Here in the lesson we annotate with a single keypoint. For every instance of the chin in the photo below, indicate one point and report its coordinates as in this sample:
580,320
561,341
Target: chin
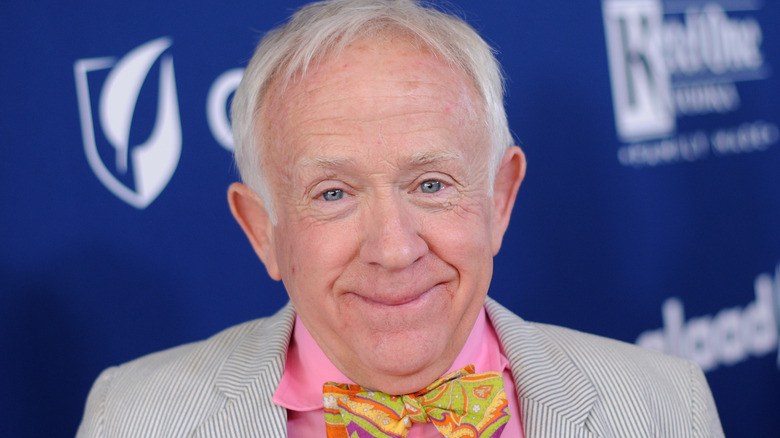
403,384
408,366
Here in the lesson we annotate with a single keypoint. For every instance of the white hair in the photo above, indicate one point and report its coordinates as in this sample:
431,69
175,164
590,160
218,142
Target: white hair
324,28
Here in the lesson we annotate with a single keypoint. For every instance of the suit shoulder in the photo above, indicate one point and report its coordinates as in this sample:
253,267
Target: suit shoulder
571,339
195,355
580,347
611,364
626,373
619,356
168,392
626,388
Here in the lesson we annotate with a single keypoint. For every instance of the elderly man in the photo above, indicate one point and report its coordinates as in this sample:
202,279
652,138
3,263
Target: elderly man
380,177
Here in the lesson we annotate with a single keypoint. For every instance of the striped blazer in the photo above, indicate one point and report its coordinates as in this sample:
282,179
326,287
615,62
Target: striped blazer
569,384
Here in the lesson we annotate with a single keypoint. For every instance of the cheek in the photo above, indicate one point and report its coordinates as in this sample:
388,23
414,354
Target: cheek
462,235
312,256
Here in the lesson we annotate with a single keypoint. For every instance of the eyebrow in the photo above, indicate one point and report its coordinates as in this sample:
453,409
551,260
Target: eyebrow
425,158
326,162
416,159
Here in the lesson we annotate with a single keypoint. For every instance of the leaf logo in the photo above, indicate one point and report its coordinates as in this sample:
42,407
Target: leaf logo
153,161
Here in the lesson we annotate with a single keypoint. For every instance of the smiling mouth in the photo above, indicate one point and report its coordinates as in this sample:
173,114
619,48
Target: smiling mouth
395,301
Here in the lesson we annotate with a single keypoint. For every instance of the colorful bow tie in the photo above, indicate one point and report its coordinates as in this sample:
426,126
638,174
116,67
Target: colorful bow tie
460,404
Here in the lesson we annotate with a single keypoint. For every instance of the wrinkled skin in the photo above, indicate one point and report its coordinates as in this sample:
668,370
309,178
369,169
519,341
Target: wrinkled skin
386,226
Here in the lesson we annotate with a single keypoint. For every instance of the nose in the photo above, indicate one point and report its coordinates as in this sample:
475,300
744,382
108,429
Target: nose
391,234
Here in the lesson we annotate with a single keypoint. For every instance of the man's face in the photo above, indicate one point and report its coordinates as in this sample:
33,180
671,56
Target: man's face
385,233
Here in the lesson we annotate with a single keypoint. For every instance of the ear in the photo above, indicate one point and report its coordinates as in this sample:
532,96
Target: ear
510,174
249,211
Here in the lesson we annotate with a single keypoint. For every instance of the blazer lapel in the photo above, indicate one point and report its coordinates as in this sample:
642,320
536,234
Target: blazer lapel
556,398
248,379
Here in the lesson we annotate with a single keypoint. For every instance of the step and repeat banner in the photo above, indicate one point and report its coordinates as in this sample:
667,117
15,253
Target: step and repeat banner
650,212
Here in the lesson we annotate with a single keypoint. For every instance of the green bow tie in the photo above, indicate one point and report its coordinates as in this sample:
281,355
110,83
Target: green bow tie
461,404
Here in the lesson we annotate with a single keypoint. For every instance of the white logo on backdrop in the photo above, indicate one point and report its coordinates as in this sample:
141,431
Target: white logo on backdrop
670,60
152,162
216,106
732,336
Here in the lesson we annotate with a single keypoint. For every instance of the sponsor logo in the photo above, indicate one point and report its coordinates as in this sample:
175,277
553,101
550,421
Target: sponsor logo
676,59
731,336
217,106
135,171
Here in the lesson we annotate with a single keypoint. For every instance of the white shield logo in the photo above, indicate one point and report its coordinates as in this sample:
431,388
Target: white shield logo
153,161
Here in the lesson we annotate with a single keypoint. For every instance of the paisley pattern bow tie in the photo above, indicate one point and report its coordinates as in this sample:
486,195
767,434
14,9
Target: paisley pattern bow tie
460,404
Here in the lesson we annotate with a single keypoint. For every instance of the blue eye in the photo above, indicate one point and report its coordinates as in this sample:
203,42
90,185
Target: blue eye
333,195
430,186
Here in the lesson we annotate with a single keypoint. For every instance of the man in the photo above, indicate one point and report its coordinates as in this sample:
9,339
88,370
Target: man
380,177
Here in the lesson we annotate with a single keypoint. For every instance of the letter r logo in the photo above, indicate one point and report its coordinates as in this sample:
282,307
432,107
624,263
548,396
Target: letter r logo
641,86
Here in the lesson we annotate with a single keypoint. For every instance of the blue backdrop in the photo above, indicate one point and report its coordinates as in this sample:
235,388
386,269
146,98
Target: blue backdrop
649,213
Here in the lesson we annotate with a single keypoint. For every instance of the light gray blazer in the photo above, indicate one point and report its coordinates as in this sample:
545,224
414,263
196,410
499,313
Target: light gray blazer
569,384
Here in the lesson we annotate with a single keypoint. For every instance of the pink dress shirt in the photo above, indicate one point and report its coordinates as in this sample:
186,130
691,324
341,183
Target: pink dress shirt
300,390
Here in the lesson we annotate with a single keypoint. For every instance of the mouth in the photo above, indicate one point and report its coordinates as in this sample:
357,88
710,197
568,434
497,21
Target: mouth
396,300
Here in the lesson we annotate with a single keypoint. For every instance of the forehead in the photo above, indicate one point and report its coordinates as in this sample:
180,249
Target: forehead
391,87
